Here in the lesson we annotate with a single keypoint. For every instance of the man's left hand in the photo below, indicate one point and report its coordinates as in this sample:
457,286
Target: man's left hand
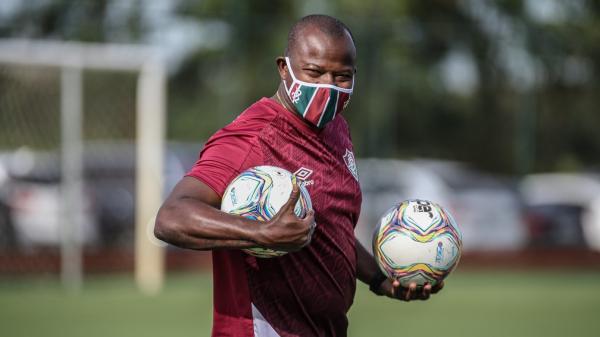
393,289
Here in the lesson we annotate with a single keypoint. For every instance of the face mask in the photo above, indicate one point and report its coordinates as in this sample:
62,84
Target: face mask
317,103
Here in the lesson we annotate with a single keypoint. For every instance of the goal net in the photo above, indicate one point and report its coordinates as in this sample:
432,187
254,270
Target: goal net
82,131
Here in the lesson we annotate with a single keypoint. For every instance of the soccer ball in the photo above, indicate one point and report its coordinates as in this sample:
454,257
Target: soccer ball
258,193
417,241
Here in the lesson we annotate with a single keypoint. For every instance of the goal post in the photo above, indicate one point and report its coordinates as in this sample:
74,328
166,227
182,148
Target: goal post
71,175
150,133
71,58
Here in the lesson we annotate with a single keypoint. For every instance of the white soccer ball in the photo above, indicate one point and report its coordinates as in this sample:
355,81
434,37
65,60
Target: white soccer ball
417,241
259,193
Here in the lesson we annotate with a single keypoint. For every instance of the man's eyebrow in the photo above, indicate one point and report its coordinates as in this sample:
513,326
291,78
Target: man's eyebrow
312,64
348,69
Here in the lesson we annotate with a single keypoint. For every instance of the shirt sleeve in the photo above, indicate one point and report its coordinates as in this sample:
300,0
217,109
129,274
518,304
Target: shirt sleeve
224,156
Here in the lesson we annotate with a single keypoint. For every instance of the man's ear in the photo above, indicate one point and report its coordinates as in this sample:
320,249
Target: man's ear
282,68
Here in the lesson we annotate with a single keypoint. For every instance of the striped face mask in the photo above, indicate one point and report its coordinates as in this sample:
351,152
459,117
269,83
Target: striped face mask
317,103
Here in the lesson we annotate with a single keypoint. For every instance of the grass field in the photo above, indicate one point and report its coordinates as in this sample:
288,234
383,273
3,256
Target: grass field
473,304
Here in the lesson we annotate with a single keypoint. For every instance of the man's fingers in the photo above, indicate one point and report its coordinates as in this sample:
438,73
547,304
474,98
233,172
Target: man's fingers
291,203
396,289
403,293
413,291
437,287
426,292
310,220
412,288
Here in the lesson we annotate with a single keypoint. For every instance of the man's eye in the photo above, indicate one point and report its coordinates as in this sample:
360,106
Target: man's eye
343,77
313,72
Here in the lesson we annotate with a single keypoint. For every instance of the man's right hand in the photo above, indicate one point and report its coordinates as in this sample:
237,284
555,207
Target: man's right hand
286,231
190,218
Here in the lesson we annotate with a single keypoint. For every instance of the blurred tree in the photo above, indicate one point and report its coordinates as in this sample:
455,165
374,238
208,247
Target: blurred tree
508,85
226,81
60,19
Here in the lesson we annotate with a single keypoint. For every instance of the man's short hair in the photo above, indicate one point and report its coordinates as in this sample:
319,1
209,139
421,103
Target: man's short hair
325,23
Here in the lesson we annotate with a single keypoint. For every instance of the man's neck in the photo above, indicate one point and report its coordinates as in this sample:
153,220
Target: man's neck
280,98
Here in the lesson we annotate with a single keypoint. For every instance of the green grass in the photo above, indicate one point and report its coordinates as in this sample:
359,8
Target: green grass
489,304
473,304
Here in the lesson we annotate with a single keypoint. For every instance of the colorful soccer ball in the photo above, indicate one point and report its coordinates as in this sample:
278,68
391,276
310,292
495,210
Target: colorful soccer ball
417,241
258,193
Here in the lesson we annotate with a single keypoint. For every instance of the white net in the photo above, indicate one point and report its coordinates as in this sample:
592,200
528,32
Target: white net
44,101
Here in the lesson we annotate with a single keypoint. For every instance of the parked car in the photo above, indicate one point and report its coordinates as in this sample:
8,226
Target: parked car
562,209
487,208
30,197
7,234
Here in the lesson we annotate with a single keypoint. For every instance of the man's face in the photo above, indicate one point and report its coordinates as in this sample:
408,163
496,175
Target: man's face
318,58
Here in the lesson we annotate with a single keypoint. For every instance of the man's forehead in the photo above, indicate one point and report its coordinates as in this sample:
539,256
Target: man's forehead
315,44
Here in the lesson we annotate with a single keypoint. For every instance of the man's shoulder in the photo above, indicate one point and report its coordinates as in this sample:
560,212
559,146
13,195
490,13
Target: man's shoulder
342,125
338,130
248,127
254,119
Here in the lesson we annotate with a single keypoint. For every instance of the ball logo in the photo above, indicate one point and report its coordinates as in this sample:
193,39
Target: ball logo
423,207
234,200
439,253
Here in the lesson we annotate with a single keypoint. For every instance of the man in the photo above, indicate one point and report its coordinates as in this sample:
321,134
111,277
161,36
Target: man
308,291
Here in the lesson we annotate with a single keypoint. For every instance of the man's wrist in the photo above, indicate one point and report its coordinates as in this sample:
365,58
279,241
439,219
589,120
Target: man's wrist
376,282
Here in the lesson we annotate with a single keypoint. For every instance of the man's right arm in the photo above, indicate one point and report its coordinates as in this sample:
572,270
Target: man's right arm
190,218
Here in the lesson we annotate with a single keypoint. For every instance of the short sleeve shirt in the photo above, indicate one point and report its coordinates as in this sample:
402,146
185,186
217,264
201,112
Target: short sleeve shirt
303,293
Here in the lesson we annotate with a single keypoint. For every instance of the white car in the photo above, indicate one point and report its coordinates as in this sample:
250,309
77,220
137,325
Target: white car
30,194
37,215
487,210
563,208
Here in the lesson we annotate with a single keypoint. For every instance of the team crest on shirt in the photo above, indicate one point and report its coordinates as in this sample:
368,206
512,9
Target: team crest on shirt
351,163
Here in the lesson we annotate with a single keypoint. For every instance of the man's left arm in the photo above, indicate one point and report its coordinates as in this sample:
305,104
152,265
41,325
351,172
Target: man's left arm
368,272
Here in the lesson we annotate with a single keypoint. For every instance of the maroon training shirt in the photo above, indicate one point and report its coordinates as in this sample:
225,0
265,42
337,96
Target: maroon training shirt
305,293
